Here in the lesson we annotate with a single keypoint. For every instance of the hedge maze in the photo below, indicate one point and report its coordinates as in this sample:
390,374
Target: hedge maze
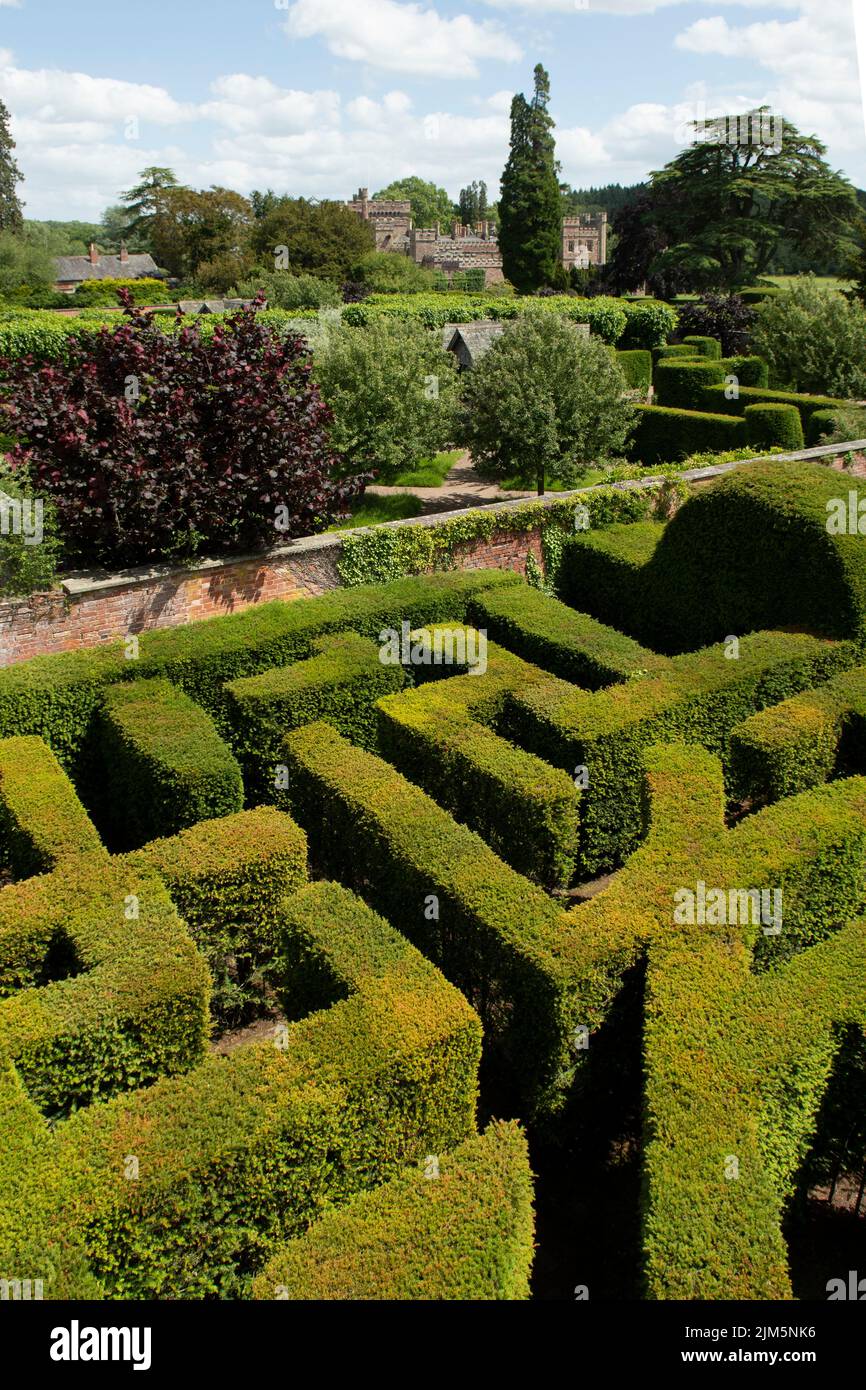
383,855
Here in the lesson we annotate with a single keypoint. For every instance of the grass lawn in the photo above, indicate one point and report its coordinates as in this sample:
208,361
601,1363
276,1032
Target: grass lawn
372,509
830,280
429,473
519,484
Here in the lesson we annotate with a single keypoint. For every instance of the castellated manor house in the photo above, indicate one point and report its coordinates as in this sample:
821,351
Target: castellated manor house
584,238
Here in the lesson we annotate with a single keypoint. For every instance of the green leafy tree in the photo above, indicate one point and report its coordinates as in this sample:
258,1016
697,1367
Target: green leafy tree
544,403
61,238
286,291
385,272
25,269
147,199
814,339
308,238
210,227
114,229
392,390
263,203
11,217
747,183
429,203
530,218
473,203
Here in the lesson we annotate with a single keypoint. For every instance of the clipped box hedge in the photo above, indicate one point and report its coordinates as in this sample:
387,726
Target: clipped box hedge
136,1009
701,696
704,345
228,877
714,398
774,426
802,741
566,643
525,810
340,682
663,434
749,371
465,1233
164,766
681,384
57,696
41,818
602,571
244,1151
637,368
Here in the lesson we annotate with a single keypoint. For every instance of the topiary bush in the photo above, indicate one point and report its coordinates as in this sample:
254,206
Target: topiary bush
392,390
679,383
154,445
774,425
704,346
637,368
814,339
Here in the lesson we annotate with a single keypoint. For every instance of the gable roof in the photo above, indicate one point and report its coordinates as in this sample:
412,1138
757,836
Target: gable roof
475,337
107,267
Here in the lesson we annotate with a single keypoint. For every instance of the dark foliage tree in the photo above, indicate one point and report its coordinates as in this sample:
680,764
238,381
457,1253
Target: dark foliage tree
11,217
722,316
146,199
530,220
154,443
325,239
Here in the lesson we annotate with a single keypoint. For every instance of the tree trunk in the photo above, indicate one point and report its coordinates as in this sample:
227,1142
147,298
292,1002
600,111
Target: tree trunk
540,482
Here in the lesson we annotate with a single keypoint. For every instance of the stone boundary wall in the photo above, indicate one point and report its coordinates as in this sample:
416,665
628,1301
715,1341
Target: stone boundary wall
90,608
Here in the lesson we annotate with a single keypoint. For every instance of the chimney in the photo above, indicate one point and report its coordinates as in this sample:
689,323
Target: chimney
124,254
94,253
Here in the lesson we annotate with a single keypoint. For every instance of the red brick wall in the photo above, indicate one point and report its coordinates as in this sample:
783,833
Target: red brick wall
65,621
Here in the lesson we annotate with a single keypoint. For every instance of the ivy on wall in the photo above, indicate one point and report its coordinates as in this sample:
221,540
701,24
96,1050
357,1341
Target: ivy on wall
382,553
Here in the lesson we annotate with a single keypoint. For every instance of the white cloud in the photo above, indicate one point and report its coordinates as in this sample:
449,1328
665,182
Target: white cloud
406,38
625,7
245,103
56,96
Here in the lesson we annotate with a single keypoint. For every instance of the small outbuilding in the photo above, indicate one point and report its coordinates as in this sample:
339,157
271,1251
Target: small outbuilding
470,341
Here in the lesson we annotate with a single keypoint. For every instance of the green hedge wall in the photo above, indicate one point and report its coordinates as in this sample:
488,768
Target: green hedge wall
241,1153
57,696
603,570
566,643
663,435
701,696
465,1233
681,385
637,368
491,931
41,818
164,765
525,810
749,371
341,683
747,552
769,426
714,399
707,347
137,1010
801,742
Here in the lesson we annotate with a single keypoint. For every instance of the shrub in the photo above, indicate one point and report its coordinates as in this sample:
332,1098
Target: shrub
672,350
835,426
720,398
340,682
392,391
544,402
727,318
148,447
243,1152
814,339
663,435
25,270
285,291
41,817
749,371
637,368
705,346
29,544
680,383
769,425
648,324
466,1235
385,272
164,764
145,290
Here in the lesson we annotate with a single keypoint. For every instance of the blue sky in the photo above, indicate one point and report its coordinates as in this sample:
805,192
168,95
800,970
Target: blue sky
318,96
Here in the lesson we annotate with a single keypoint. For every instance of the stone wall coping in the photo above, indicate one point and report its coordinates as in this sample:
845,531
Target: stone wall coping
85,582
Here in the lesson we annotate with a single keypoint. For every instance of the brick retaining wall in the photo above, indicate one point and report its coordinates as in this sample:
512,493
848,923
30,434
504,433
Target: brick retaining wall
88,609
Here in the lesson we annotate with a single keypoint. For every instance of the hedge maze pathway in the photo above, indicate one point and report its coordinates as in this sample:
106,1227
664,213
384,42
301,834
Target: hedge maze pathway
386,843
